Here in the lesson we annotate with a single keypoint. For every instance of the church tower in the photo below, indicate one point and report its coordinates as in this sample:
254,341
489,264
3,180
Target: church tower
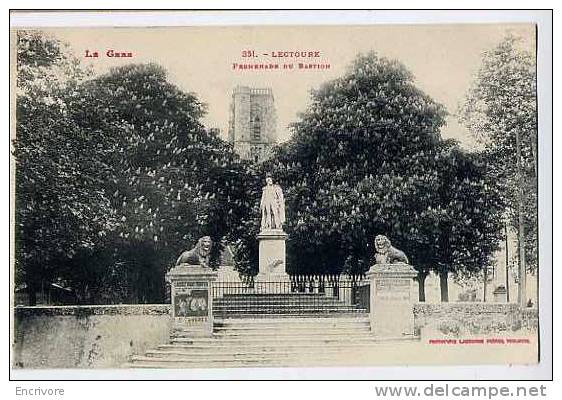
252,124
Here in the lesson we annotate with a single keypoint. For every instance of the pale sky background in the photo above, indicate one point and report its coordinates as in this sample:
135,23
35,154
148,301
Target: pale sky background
443,59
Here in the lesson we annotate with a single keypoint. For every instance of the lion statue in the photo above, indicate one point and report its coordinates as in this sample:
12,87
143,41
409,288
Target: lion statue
386,253
199,255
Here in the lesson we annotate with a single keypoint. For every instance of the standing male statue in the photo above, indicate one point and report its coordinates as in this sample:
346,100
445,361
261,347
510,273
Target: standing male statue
272,206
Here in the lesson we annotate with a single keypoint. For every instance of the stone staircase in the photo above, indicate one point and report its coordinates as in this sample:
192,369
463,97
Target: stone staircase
251,305
267,342
271,330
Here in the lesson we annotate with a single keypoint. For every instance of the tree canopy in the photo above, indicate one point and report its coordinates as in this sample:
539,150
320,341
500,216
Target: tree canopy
500,105
172,180
116,176
61,208
367,158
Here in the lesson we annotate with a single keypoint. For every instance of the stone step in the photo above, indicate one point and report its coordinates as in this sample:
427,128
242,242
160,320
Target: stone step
271,341
274,295
291,329
304,307
155,363
223,312
292,299
248,357
282,296
289,316
239,313
287,337
219,333
266,349
228,344
288,302
254,352
237,345
186,365
322,302
316,323
276,337
308,335
288,309
342,318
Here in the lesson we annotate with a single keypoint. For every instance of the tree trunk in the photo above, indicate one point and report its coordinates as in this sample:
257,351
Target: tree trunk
522,289
535,164
506,264
534,151
421,285
444,285
485,283
31,293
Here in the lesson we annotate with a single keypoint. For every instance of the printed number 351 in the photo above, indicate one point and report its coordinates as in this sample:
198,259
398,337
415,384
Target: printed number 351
248,53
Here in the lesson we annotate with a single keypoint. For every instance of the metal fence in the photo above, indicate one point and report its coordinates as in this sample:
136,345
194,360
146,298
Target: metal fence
297,295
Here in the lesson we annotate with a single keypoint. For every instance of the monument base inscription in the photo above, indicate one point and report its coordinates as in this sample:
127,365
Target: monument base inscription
191,299
272,256
391,300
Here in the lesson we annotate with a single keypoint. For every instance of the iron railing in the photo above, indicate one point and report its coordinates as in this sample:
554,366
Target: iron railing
296,295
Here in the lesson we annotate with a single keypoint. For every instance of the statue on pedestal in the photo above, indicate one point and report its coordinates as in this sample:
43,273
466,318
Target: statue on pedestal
272,206
391,291
272,249
386,253
190,290
199,255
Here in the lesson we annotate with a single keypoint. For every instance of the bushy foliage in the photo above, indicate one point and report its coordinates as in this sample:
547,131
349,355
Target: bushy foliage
366,158
500,103
61,207
173,181
116,176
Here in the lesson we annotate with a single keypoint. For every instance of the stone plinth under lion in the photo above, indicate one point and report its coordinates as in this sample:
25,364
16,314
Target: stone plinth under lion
391,303
190,281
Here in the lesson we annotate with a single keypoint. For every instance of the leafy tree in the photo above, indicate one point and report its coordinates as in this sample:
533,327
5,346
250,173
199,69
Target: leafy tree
172,181
499,109
45,64
60,207
366,158
461,228
114,176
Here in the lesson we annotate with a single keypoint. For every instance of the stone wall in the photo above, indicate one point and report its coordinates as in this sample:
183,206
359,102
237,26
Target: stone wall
465,319
86,336
530,319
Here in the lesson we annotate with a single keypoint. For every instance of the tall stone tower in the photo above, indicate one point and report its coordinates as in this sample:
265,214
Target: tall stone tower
253,122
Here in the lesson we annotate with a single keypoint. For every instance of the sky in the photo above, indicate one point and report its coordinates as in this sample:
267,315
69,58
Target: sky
443,58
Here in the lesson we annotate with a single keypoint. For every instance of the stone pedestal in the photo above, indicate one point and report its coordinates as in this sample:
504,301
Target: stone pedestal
272,256
500,294
227,273
191,299
230,282
391,304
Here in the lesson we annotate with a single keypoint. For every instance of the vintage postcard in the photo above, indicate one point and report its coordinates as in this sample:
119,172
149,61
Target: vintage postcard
275,196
